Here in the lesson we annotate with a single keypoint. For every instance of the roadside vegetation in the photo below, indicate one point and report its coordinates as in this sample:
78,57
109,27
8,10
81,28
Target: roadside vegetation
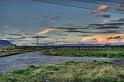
98,71
7,51
110,52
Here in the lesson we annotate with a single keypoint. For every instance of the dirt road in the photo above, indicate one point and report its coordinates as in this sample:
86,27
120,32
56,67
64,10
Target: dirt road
24,60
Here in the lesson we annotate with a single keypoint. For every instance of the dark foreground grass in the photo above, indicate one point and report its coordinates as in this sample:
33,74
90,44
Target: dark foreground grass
116,52
68,72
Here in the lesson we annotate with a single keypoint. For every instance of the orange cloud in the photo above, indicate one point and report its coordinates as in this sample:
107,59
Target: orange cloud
100,8
105,39
46,30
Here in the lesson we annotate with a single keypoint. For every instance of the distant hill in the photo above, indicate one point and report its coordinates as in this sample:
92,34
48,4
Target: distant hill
5,43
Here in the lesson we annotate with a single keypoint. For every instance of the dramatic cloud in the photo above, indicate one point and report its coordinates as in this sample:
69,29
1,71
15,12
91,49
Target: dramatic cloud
17,38
120,6
75,31
46,30
111,24
115,37
41,37
15,34
104,39
112,31
95,32
107,27
100,9
105,15
69,28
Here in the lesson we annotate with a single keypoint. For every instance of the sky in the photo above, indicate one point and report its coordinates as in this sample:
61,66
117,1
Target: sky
22,20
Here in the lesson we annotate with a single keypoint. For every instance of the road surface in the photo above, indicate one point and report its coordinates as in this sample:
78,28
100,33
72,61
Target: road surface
24,60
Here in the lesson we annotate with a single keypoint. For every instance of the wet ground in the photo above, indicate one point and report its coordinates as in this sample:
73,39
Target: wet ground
24,60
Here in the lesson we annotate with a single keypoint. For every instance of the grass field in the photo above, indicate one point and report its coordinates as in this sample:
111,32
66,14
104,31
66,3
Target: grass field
116,52
69,72
7,51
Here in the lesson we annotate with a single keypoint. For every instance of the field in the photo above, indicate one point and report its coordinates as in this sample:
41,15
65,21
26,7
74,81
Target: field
7,51
69,72
96,71
110,52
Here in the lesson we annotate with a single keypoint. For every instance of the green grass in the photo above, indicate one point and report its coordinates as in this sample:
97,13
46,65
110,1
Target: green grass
68,72
87,52
7,51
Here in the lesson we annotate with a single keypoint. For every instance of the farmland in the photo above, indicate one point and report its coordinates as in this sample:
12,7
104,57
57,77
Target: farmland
95,71
109,51
100,71
7,51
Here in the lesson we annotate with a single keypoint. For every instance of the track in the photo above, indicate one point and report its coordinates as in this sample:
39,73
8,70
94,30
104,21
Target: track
21,61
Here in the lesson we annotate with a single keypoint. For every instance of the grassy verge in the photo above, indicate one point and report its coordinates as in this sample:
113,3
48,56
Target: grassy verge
86,52
68,72
7,51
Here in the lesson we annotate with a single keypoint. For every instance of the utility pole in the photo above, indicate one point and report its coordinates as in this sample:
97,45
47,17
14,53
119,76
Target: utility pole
37,42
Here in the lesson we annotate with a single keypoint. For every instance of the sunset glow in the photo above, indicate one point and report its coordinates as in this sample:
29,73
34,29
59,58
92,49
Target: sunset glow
101,8
104,39
85,21
46,30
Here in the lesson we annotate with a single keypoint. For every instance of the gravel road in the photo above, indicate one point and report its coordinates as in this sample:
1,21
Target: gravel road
24,60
